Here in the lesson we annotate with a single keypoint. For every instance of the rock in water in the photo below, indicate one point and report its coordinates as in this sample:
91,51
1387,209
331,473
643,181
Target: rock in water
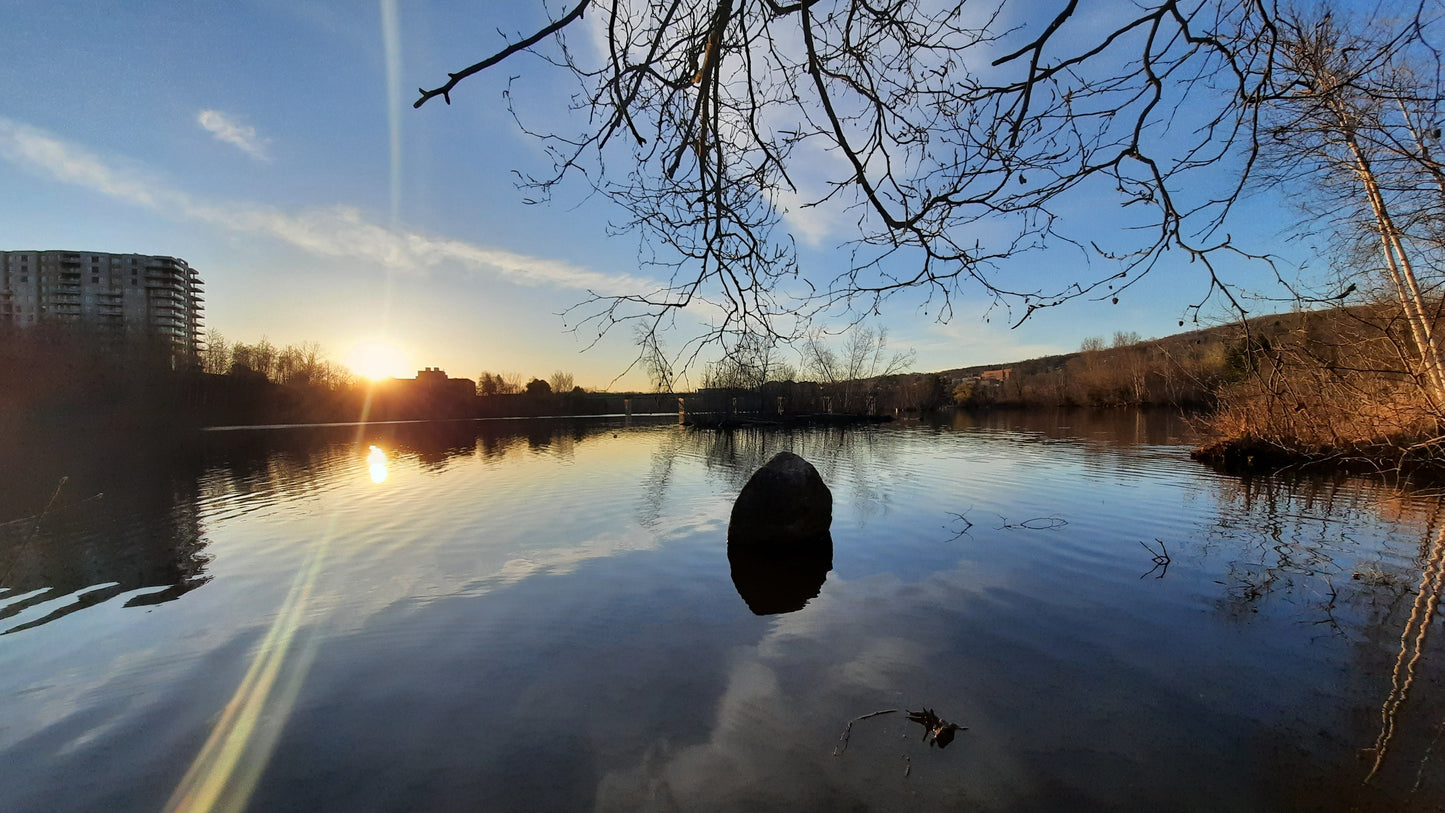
785,505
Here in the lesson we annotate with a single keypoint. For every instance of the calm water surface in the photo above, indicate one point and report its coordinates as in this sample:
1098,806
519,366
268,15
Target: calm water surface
543,616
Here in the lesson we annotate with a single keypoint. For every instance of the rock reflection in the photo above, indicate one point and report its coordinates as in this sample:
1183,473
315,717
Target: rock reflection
771,583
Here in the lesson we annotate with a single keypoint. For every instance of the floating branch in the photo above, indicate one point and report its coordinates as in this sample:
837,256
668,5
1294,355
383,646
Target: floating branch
848,729
936,730
1037,524
1161,559
46,510
961,518
34,530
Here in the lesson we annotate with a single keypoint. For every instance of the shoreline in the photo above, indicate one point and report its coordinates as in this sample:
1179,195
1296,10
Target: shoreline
1242,455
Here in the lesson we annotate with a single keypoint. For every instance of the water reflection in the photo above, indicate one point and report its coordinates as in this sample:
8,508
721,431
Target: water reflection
121,518
1294,547
1412,647
780,582
1110,427
376,461
126,518
510,580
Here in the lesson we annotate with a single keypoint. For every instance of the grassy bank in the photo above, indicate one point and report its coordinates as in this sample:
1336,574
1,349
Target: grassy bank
1338,389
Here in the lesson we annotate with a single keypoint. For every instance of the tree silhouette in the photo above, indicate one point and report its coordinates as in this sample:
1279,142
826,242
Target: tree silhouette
952,140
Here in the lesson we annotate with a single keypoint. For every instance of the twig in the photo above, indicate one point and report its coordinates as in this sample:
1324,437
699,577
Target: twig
34,530
936,730
1161,559
1037,524
848,729
967,524
445,91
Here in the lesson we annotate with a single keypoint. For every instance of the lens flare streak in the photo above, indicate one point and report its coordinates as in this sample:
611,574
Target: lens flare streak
226,769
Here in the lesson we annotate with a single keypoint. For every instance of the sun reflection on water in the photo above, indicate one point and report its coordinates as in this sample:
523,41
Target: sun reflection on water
376,460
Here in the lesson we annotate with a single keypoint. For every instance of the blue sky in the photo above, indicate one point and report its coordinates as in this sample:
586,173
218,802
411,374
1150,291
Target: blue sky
272,144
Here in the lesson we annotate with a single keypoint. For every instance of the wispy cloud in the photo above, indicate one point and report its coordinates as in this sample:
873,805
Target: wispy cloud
332,232
242,136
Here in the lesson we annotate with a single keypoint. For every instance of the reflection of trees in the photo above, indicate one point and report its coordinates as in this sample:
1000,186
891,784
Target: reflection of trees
659,478
1412,646
1292,538
1284,534
126,519
295,458
849,459
128,516
1147,427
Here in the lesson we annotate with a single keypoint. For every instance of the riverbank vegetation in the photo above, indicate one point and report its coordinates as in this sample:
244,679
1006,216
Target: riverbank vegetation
1354,133
1344,387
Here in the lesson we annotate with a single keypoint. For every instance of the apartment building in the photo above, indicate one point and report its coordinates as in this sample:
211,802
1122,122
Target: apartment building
120,296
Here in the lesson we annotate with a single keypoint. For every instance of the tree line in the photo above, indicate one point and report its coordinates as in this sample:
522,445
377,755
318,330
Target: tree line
960,138
300,364
559,383
1183,371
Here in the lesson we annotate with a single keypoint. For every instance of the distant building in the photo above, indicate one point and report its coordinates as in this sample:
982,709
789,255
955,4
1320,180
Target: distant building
434,379
997,375
125,295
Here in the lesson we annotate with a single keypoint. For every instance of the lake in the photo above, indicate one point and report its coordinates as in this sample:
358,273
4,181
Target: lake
542,615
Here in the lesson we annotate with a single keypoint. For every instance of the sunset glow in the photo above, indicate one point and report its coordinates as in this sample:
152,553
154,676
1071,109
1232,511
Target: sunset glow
378,359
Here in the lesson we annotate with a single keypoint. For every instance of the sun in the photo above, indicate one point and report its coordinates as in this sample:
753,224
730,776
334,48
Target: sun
377,359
